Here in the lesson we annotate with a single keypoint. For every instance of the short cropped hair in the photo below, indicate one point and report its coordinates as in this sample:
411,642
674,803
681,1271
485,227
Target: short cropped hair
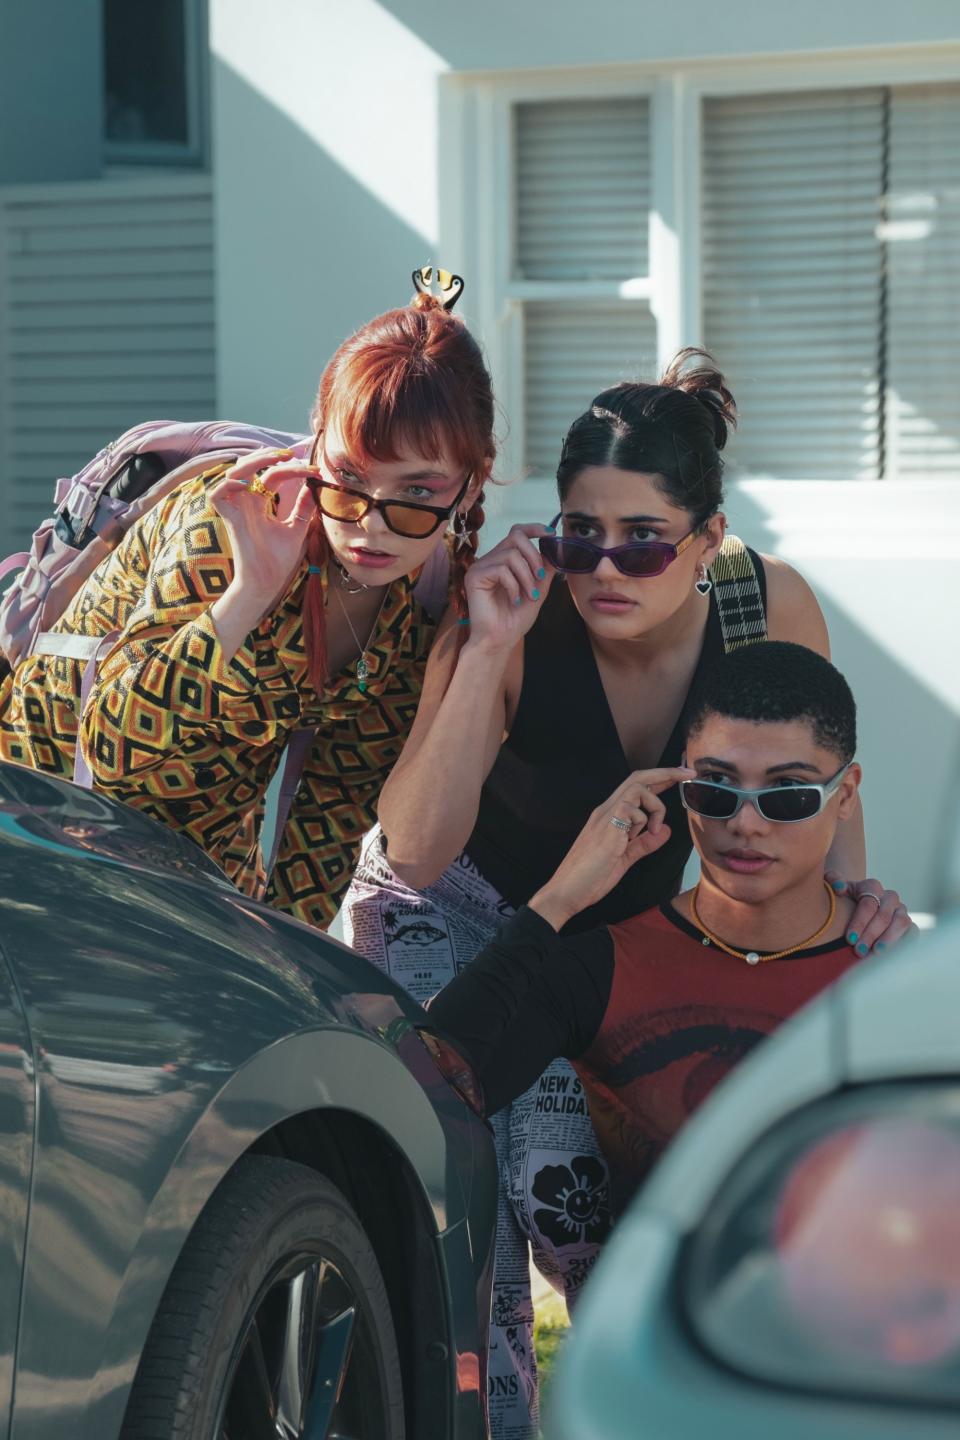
774,681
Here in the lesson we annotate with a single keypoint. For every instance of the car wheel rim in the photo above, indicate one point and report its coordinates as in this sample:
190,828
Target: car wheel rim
305,1366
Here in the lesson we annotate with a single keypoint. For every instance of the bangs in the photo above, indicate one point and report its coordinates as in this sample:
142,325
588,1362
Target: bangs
379,415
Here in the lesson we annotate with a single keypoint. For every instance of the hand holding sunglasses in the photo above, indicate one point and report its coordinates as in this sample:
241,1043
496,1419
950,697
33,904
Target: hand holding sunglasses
506,587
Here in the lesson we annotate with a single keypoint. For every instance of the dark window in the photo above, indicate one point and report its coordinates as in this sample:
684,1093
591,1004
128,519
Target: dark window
153,53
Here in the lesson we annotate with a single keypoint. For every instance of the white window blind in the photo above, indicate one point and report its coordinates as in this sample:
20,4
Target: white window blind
581,258
922,236
830,261
583,189
792,277
106,319
572,353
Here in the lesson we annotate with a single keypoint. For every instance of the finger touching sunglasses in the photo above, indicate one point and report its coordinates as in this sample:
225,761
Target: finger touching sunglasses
784,804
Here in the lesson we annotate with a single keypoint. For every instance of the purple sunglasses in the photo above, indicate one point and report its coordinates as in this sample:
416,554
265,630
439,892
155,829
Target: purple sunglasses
641,559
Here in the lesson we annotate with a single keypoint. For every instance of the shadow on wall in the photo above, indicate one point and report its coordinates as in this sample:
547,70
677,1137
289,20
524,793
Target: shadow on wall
909,737
304,245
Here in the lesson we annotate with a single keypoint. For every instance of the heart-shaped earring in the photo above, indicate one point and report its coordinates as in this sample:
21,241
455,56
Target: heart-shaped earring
703,584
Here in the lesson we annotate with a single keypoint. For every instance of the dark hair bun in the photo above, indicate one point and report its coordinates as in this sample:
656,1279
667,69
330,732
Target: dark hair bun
695,373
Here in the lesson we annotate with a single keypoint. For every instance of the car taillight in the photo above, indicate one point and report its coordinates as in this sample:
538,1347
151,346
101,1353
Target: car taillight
831,1257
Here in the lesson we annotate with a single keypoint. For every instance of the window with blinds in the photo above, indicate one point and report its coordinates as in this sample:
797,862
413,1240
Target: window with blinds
831,278
581,258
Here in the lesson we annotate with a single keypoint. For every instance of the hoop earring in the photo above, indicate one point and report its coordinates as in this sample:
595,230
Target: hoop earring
703,584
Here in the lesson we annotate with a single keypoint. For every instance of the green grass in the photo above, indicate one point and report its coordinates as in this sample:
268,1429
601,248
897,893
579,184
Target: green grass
549,1331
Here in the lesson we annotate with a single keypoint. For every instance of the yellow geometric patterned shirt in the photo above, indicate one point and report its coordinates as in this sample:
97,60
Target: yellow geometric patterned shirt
175,729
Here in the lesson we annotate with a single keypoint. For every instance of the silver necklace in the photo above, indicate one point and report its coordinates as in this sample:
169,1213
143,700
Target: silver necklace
346,578
363,670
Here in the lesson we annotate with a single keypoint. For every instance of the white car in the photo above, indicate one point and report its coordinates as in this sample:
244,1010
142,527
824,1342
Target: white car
792,1268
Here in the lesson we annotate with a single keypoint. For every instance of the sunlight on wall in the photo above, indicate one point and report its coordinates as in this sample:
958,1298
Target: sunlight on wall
356,81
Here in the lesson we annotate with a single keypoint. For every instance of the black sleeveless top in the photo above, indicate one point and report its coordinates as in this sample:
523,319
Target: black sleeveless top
562,758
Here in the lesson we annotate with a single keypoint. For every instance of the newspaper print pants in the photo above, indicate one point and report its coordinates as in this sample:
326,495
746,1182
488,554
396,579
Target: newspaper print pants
554,1195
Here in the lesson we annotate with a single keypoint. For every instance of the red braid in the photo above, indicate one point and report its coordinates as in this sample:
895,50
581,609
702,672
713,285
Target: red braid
314,618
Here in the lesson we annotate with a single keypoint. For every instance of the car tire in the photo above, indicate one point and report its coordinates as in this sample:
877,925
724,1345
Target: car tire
254,1327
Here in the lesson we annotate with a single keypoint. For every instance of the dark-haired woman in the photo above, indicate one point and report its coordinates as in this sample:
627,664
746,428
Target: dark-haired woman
560,691
277,596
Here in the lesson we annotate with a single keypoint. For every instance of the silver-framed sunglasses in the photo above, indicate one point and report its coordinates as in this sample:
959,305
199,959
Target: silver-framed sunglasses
784,804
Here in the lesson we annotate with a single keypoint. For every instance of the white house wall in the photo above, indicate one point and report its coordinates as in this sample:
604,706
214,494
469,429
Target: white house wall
353,142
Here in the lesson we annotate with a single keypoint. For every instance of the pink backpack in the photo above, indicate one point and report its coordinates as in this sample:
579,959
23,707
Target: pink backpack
95,508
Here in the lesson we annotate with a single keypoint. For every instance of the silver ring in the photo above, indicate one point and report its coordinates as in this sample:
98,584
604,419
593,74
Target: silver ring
869,895
620,824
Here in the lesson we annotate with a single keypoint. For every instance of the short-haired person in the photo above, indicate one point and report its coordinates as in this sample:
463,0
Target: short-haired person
653,1011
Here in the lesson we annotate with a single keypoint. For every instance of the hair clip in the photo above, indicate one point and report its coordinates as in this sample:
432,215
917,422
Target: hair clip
451,286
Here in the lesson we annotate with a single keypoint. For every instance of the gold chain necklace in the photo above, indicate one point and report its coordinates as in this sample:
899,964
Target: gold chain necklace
363,669
751,956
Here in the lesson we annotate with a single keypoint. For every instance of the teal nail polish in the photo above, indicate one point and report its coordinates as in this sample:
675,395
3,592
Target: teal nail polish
541,573
880,945
852,937
861,949
519,600
839,886
464,621
535,594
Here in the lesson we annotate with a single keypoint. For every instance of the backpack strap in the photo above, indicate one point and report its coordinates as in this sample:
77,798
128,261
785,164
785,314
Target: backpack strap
294,758
743,619
92,649
14,562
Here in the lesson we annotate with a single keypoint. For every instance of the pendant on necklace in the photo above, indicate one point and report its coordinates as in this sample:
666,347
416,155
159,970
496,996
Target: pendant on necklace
362,673
752,958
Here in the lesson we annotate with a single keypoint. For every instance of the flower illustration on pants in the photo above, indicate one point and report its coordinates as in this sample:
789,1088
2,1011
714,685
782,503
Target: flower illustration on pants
576,1197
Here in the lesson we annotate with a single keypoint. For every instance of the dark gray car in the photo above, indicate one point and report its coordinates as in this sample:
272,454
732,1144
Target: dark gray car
237,1198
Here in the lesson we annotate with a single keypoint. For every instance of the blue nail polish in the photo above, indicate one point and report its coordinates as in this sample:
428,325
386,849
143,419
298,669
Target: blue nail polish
541,573
880,945
535,594
519,600
852,937
839,886
465,620
861,949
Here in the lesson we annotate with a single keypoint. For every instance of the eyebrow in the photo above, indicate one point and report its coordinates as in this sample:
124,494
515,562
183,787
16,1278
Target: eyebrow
719,764
624,519
343,462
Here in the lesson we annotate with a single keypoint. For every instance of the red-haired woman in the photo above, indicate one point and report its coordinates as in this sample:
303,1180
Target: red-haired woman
276,595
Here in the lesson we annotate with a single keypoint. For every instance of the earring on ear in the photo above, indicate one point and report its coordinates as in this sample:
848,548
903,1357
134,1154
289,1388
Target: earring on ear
460,530
703,584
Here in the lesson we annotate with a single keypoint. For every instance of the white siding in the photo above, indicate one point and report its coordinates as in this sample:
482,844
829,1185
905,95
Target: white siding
106,319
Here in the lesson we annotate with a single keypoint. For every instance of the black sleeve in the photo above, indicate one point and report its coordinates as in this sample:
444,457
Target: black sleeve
529,997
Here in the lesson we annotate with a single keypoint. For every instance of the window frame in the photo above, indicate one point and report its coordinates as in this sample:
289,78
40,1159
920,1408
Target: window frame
476,222
123,153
